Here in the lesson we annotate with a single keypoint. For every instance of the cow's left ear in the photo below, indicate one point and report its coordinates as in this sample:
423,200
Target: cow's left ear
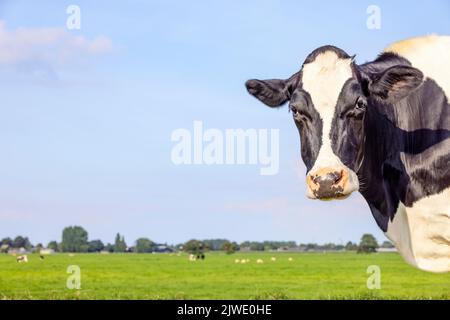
395,83
274,92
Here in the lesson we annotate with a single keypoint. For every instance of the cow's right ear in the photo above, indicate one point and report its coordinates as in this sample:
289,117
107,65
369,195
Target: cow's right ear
396,83
274,92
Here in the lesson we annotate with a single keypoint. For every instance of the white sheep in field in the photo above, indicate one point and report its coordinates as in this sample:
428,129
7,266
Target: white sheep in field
243,261
259,261
192,257
273,259
237,261
290,259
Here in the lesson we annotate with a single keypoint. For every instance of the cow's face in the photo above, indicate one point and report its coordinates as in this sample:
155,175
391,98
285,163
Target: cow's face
328,100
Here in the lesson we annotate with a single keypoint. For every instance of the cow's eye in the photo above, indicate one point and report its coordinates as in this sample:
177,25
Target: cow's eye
358,111
297,115
294,111
300,116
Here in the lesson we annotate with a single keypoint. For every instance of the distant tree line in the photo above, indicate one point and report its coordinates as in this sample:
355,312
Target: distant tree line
75,239
368,244
17,242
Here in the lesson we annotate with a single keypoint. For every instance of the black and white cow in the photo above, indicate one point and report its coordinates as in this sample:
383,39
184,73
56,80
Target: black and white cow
381,128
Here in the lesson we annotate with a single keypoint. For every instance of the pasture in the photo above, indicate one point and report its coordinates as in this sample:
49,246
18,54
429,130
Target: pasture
219,276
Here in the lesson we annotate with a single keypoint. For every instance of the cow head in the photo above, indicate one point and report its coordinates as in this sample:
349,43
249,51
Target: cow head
329,98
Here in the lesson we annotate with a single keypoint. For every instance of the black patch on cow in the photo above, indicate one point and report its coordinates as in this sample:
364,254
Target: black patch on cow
383,62
273,92
346,132
309,125
409,163
339,52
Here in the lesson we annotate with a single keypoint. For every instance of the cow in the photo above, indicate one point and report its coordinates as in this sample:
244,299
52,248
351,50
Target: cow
21,259
381,128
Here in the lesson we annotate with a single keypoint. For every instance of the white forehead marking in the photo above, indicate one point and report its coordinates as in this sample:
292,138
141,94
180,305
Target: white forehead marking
323,79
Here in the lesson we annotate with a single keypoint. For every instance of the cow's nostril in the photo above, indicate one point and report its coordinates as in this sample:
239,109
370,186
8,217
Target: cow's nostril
338,176
328,183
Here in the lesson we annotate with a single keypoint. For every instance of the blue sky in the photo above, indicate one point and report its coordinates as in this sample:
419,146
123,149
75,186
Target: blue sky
86,115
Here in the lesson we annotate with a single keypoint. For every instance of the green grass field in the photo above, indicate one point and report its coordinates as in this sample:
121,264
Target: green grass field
165,276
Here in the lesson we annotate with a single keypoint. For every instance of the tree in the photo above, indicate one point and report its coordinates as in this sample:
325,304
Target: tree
230,247
38,248
195,247
5,244
257,246
144,245
120,244
53,245
387,245
21,242
214,244
350,246
74,239
109,247
368,244
95,246
8,241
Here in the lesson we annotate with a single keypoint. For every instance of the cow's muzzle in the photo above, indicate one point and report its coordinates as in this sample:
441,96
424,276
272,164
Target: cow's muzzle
329,183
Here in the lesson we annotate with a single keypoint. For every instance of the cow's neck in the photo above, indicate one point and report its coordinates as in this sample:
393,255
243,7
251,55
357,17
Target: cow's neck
381,143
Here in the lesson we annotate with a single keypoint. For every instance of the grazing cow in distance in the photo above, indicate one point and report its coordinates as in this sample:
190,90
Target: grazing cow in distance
381,128
21,259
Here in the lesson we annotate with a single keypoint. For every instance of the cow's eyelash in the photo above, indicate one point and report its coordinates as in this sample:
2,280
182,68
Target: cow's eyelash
301,115
358,105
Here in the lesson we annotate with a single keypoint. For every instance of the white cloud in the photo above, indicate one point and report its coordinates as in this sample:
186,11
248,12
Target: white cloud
52,46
